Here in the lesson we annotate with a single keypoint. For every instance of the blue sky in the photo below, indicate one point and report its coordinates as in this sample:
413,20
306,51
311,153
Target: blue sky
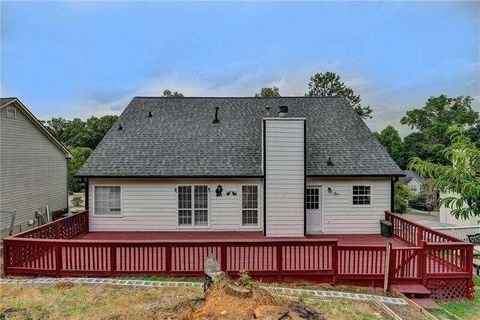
76,59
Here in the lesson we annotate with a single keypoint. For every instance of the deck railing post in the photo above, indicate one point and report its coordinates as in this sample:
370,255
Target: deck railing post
168,259
58,230
223,257
335,261
279,262
113,259
419,235
58,258
422,262
469,264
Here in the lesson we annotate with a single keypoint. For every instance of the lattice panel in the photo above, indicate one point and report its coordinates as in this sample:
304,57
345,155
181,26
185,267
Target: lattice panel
450,289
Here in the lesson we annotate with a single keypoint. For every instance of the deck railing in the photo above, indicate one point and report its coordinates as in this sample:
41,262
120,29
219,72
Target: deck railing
440,262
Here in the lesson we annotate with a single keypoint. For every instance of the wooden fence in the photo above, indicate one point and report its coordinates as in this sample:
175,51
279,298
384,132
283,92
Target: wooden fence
440,262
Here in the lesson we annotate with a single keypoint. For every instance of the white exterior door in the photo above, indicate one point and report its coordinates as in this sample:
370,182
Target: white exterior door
314,205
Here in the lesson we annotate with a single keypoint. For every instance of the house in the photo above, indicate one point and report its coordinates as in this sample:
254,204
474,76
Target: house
285,166
33,165
413,180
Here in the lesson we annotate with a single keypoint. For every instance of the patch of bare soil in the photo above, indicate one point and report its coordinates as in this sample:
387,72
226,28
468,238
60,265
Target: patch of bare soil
220,304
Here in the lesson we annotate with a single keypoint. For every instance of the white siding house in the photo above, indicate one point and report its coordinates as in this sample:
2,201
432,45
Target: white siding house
33,165
286,167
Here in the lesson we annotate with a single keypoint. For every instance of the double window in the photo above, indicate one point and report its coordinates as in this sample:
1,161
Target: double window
107,201
249,206
193,206
362,195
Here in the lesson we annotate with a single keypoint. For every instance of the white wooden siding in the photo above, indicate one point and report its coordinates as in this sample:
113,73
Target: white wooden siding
341,216
33,171
151,205
284,171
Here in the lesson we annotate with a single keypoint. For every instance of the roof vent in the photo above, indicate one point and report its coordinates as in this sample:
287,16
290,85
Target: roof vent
216,116
120,126
329,162
282,111
149,114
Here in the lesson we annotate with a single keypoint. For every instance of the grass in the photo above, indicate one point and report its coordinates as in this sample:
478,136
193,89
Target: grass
164,279
464,310
73,301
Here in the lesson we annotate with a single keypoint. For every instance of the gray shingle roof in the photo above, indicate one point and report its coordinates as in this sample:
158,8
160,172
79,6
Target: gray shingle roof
180,139
4,101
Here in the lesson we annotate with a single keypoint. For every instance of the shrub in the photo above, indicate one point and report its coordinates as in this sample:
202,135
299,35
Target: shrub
244,278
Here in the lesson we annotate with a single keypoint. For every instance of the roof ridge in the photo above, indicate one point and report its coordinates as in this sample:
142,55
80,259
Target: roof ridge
237,97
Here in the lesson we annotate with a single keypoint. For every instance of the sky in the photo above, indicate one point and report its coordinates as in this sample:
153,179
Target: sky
77,59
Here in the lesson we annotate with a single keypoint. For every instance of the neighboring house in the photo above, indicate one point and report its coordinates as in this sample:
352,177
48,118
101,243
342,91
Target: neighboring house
33,165
413,181
447,217
238,164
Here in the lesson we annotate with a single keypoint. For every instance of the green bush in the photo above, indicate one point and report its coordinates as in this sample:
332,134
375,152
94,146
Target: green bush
402,195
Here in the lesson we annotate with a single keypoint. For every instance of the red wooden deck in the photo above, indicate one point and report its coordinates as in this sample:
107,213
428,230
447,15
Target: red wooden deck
419,256
343,239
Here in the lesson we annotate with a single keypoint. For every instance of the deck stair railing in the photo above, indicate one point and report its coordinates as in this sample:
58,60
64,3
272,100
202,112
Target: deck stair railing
440,262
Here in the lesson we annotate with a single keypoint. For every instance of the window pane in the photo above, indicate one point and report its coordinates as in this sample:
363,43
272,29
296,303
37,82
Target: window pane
249,217
184,217
313,199
185,197
107,200
201,217
201,197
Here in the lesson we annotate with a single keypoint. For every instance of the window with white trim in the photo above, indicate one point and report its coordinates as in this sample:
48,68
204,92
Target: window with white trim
107,201
193,206
11,113
313,198
362,195
250,205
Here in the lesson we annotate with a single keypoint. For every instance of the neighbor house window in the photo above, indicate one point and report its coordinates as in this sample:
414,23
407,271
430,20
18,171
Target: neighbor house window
362,195
11,113
249,205
193,205
107,201
313,198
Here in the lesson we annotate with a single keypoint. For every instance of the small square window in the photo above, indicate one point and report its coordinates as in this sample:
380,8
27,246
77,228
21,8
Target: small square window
361,195
11,113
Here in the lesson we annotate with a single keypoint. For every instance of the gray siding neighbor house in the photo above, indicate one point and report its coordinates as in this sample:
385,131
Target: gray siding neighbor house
285,166
33,165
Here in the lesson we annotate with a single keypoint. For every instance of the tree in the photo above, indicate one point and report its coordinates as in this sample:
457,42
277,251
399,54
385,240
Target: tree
460,178
170,94
79,133
432,122
80,155
268,92
329,84
391,140
402,195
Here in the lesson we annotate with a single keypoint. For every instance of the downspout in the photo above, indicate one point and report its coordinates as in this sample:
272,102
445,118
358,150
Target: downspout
86,194
264,182
305,178
392,193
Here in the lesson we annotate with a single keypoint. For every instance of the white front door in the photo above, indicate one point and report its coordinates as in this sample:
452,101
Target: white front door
314,209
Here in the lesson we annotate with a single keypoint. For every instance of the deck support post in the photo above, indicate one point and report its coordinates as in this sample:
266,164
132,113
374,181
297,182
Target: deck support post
113,260
223,258
168,259
335,261
422,262
387,268
58,259
279,263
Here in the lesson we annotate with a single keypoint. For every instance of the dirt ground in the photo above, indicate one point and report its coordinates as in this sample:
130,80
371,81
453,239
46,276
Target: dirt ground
68,301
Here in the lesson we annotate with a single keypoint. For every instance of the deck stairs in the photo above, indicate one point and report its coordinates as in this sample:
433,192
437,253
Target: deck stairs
418,294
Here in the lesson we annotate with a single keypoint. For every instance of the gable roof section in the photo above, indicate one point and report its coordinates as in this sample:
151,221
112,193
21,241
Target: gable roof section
181,140
4,102
410,175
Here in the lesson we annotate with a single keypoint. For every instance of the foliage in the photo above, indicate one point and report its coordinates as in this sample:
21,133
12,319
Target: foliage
244,278
171,94
77,201
391,140
268,92
460,178
402,195
79,133
432,122
80,155
329,84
